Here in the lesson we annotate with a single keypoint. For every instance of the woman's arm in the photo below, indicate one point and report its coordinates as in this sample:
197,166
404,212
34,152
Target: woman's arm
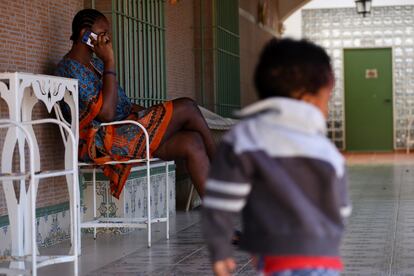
103,49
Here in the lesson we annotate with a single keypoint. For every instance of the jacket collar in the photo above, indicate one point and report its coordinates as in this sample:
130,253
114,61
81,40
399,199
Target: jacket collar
289,113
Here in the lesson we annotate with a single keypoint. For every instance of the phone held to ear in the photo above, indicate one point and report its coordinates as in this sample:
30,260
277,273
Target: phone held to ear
86,38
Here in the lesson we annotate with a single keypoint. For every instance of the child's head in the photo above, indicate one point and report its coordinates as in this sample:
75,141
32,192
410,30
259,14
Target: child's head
295,69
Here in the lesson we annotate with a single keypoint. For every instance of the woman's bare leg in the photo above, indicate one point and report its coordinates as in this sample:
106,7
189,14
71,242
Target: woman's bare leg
187,116
187,145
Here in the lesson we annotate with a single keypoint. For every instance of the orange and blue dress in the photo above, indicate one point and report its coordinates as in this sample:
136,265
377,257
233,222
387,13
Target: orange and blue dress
118,142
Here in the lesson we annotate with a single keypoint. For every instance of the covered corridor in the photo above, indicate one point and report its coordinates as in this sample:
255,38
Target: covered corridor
379,238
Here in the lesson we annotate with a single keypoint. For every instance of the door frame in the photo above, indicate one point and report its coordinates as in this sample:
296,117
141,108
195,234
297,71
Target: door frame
394,136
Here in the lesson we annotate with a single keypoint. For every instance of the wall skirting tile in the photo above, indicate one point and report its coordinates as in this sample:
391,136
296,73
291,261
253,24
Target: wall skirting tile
53,222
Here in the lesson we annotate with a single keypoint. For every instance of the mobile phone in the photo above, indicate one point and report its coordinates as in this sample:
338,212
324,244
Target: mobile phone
86,38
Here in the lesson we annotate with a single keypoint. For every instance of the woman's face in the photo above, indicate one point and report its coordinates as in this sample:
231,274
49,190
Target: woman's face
101,26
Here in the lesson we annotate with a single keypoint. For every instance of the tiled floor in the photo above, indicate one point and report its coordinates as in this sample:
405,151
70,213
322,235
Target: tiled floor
379,239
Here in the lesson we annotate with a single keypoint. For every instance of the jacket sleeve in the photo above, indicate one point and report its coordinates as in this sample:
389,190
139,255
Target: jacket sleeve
227,189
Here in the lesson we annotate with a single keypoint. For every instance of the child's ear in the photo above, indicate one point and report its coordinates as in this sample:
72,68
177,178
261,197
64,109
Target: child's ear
308,97
298,95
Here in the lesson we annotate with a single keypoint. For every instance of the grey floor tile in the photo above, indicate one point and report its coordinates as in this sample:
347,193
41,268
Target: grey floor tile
379,239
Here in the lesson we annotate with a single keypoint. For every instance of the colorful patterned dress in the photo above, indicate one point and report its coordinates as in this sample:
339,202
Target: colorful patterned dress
118,142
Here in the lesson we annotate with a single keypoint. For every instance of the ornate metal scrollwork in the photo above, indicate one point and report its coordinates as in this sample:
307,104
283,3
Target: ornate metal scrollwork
49,91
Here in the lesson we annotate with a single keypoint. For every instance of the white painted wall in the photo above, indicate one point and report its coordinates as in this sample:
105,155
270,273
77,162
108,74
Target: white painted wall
293,25
322,4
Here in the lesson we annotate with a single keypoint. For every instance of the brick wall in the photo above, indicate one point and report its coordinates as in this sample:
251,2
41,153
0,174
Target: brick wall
204,56
179,21
252,39
34,35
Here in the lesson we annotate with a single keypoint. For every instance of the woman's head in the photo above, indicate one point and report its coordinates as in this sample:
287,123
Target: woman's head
295,69
85,20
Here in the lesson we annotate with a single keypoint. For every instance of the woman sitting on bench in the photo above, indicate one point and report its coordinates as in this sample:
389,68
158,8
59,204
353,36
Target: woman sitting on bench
176,128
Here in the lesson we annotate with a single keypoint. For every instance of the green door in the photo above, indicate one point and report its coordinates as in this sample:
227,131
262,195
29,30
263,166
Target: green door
368,99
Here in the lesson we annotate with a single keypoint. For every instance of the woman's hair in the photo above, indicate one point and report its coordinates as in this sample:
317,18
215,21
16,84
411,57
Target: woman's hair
288,66
84,19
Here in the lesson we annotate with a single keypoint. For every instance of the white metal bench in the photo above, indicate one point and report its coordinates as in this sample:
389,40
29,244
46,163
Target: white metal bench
122,222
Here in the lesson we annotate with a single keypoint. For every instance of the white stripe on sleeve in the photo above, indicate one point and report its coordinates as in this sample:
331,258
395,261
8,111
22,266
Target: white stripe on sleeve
232,205
346,211
229,188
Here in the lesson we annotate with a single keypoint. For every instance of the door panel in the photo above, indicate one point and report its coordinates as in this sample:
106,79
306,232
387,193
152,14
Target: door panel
368,99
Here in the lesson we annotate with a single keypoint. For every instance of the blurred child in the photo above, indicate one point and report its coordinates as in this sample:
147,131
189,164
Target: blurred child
278,167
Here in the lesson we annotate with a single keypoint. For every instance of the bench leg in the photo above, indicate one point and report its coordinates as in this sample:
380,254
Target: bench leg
148,204
94,198
167,196
190,198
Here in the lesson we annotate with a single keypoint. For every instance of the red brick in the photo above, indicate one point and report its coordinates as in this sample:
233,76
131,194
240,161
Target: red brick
33,35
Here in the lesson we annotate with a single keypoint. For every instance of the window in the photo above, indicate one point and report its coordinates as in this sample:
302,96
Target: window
227,56
139,48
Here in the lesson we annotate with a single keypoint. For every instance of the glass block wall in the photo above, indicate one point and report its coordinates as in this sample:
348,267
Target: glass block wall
336,29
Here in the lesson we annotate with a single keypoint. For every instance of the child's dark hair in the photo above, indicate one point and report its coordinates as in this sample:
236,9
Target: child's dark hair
288,66
84,19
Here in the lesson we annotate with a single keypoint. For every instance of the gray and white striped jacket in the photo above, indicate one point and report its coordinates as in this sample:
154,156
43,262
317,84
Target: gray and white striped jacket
287,178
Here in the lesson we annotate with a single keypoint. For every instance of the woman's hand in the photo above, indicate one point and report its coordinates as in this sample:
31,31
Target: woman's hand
102,47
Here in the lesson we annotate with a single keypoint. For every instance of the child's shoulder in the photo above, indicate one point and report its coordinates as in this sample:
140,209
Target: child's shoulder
244,136
238,130
262,133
